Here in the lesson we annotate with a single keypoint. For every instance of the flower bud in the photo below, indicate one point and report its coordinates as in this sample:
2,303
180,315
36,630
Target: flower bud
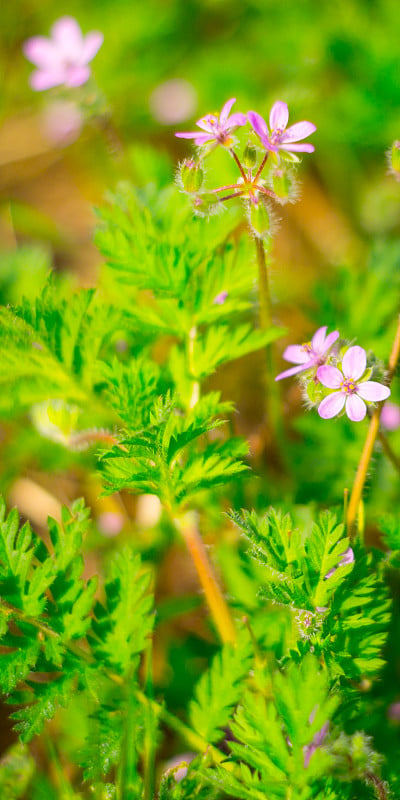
191,175
206,203
260,219
249,156
281,184
394,160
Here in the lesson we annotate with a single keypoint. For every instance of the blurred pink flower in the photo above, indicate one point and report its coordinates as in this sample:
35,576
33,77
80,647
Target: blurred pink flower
351,389
62,122
63,58
220,298
281,137
347,558
309,355
218,128
390,416
173,101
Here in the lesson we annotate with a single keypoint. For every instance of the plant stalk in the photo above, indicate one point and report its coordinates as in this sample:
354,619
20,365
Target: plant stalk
215,599
263,287
370,440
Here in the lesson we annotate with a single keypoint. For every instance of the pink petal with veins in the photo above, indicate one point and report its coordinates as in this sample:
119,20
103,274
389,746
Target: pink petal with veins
279,115
298,131
330,340
354,362
296,148
204,123
203,138
258,123
226,109
373,391
318,339
331,405
294,370
189,135
331,377
235,120
296,353
355,408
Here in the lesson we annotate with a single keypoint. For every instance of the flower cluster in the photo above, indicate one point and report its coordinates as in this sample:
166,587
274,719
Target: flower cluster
278,144
344,374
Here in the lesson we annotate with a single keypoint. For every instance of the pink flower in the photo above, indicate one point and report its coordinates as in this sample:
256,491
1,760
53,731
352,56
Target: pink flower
347,558
64,57
390,416
217,128
351,389
281,137
220,298
310,355
318,740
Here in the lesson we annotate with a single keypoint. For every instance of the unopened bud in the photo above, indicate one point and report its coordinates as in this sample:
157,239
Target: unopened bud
191,175
281,184
249,156
260,219
206,203
394,160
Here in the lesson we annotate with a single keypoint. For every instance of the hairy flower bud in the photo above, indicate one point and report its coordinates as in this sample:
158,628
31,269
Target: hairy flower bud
249,156
206,203
260,219
191,175
284,186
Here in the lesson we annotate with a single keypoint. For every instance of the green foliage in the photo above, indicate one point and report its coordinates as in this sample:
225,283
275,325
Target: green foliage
220,689
16,771
161,459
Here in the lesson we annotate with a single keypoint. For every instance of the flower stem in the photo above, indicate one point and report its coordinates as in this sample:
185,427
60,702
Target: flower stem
263,287
242,172
388,450
261,167
195,395
370,440
215,599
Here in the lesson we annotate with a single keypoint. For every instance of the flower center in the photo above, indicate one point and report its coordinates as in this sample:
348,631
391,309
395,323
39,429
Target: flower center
348,386
307,347
276,134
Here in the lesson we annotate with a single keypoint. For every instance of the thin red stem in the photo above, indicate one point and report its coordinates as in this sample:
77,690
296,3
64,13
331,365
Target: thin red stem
242,172
228,186
230,196
262,165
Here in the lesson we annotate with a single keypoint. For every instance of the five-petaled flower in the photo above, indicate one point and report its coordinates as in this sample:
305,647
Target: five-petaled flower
280,137
217,129
351,389
311,355
63,58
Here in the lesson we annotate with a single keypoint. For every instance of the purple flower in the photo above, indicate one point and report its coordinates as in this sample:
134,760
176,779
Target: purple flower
351,389
347,558
310,355
318,740
390,416
64,57
281,137
217,128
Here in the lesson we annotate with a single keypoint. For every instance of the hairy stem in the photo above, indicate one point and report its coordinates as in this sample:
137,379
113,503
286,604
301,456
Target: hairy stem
215,599
370,440
261,167
263,287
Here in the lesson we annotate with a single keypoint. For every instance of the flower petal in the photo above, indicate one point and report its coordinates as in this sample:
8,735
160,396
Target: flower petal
236,120
91,45
331,405
318,339
298,131
294,370
279,116
204,138
296,353
204,123
354,362
373,391
77,75
355,408
225,110
189,135
297,148
41,52
258,124
330,340
46,79
331,377
67,36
